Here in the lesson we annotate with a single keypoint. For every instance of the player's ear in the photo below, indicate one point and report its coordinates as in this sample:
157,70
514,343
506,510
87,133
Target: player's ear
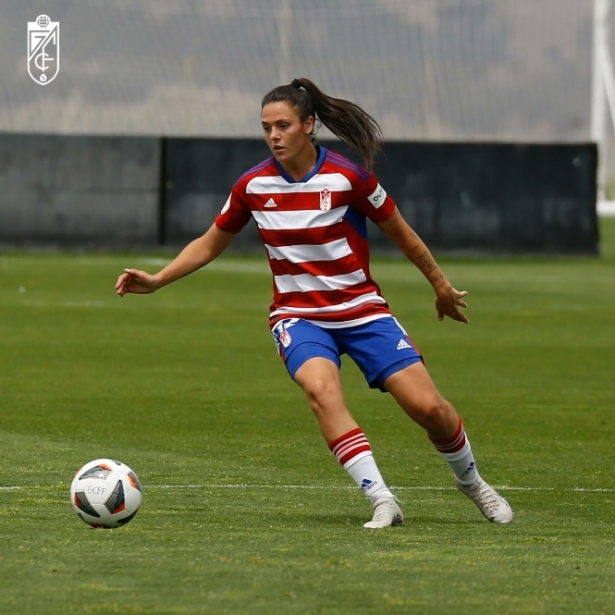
308,125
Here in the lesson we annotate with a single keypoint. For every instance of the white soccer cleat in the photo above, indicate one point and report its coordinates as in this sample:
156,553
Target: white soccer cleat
386,514
489,501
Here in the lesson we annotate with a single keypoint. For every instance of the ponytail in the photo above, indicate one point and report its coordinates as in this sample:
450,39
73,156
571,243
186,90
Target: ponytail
343,118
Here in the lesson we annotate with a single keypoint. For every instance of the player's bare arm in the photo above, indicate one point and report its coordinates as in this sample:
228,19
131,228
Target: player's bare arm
448,299
195,255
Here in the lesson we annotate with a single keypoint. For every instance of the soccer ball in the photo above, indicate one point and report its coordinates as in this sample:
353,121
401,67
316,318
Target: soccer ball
106,493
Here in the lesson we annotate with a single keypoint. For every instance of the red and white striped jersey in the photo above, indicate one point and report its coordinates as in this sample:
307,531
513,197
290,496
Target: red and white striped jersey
315,235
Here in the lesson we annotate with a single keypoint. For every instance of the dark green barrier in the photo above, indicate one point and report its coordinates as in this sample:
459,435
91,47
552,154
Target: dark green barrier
79,191
460,197
133,192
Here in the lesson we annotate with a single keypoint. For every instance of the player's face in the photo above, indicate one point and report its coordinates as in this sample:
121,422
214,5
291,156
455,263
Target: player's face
285,133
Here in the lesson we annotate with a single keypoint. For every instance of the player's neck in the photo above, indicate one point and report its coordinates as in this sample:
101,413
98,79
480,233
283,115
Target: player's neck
302,163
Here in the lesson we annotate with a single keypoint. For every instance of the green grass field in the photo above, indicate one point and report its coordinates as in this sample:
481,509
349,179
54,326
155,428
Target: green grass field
245,511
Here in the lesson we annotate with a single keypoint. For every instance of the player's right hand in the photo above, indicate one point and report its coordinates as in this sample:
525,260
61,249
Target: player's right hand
135,281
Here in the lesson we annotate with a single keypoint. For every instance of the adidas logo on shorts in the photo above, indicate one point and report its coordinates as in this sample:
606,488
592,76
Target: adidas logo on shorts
403,344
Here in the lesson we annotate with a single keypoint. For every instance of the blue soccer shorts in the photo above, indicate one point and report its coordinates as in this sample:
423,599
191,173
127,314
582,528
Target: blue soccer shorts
380,348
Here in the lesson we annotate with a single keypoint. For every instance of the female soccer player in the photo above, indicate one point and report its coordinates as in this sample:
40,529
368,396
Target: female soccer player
310,205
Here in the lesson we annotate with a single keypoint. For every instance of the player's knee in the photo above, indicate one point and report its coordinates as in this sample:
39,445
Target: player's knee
431,413
321,394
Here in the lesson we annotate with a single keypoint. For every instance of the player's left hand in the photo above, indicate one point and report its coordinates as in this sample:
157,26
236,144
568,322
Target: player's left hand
449,302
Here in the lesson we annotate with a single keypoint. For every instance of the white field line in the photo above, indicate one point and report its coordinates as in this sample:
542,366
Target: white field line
335,488
115,304
343,487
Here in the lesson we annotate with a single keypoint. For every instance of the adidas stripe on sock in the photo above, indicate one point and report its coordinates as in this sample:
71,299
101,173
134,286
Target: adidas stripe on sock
457,452
354,453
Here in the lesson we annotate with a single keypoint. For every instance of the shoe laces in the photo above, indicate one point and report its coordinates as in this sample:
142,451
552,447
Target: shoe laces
383,508
488,497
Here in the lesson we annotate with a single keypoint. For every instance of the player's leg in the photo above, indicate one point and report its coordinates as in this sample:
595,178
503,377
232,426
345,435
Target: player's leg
320,379
413,389
391,362
312,358
417,395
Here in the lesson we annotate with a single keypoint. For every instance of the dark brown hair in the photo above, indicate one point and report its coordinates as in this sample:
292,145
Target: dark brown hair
343,118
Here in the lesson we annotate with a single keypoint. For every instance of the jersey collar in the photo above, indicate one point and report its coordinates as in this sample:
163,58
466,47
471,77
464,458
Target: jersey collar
322,152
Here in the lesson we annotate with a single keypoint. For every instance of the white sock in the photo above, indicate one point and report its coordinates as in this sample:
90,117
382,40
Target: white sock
457,452
365,473
354,453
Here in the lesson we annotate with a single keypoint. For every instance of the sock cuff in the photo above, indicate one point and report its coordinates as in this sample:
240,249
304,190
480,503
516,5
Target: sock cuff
454,444
465,450
361,455
349,445
345,436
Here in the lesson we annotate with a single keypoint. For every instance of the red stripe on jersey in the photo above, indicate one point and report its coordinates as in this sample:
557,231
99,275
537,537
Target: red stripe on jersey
320,299
323,298
261,166
339,160
326,268
296,201
314,236
364,311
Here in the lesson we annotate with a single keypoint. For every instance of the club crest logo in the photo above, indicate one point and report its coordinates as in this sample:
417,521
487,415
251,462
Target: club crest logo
43,49
285,339
325,199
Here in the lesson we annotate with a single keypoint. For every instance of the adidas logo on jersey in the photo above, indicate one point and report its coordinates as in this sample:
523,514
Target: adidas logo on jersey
403,344
271,203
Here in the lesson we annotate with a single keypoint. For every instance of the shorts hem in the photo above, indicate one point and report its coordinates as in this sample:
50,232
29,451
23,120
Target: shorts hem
381,378
298,357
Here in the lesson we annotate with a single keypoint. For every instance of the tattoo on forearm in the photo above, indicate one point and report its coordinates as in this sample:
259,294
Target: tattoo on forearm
414,246
427,263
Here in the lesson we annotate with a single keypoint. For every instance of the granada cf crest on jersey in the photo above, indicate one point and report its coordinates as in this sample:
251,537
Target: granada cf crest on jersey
325,199
43,49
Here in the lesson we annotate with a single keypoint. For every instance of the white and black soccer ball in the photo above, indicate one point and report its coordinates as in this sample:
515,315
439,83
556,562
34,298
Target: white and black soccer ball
106,493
